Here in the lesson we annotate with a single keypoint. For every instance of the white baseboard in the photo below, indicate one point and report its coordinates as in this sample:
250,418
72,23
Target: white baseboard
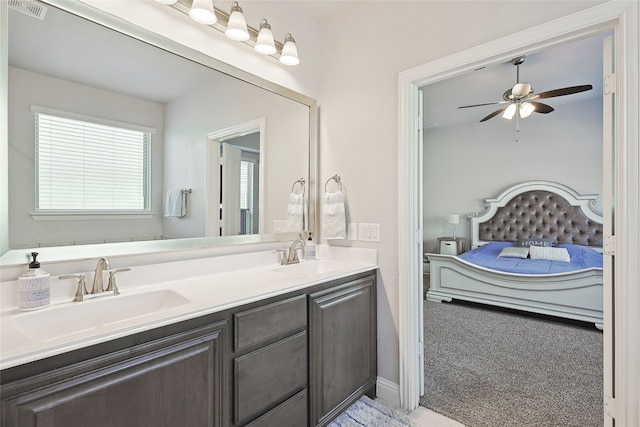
388,391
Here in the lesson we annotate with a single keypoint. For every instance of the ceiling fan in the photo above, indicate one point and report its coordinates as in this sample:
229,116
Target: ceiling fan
521,101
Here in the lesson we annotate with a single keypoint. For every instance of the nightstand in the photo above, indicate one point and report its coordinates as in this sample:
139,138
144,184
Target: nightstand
451,245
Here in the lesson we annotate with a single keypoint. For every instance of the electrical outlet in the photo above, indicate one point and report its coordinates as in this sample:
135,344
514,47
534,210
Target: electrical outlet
279,226
352,231
368,232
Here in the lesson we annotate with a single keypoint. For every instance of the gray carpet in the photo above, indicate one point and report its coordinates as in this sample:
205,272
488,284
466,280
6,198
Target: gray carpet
487,367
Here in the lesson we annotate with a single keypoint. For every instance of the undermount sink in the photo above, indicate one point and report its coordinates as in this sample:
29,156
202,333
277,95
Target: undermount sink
79,317
307,268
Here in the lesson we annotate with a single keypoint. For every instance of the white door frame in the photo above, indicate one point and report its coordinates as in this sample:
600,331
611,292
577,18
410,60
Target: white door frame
211,186
622,18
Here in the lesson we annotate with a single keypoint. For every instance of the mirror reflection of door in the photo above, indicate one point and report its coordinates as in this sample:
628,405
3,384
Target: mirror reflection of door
239,185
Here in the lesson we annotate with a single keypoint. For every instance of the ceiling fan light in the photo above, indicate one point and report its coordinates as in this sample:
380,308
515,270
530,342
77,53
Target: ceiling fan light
289,55
520,90
202,12
264,42
509,112
237,26
526,108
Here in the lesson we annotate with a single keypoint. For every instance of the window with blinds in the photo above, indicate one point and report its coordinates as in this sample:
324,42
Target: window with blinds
88,166
246,194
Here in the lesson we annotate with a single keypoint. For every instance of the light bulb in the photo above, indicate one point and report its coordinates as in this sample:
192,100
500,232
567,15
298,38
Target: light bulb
509,112
264,42
289,55
526,108
202,12
237,26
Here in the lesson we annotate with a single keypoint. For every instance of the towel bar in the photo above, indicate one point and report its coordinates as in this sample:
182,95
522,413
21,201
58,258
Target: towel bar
335,178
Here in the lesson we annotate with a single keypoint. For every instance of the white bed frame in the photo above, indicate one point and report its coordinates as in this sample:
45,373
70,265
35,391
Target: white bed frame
574,295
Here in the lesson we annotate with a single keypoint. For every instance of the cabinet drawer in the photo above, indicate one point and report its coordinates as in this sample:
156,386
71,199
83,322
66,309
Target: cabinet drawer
291,413
269,322
268,376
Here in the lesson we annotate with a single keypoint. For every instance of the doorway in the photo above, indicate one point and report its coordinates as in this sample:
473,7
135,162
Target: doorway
234,178
622,19
496,157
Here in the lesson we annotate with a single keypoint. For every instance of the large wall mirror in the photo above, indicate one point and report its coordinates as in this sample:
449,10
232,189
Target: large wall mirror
225,153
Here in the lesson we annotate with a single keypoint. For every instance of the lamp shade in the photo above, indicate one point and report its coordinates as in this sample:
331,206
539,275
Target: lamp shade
509,112
264,43
202,12
453,219
526,108
237,26
289,55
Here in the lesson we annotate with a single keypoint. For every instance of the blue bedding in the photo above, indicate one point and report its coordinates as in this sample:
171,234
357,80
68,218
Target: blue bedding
486,256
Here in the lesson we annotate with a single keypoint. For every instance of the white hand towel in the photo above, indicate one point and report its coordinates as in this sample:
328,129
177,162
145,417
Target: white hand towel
334,221
295,212
175,203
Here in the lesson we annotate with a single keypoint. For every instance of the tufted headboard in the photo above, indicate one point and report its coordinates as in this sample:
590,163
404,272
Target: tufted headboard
538,209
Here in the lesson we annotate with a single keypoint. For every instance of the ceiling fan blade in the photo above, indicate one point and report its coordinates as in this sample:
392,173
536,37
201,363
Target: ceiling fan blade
480,105
492,115
561,92
542,108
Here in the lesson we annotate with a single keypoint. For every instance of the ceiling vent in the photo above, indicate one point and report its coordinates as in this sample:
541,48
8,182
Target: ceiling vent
29,7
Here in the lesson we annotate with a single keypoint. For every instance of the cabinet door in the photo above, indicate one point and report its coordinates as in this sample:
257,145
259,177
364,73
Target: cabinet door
342,353
175,381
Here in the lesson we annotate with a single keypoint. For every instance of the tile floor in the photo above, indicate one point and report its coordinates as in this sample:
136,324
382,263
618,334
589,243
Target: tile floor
424,417
427,418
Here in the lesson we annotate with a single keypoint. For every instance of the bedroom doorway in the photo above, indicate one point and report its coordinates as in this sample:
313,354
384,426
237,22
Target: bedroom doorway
607,17
464,375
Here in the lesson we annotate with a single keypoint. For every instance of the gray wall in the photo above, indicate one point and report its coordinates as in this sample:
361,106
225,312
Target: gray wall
463,165
27,88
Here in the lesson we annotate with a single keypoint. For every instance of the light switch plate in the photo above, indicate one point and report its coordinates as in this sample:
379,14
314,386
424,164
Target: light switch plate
368,232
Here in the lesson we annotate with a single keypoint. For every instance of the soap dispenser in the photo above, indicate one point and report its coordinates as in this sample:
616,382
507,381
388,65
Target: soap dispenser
310,249
34,287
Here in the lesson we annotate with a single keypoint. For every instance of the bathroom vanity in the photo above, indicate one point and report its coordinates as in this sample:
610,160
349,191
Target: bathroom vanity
292,353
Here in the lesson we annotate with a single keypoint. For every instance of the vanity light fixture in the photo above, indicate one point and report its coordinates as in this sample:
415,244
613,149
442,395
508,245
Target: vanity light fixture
202,12
264,42
234,25
237,26
289,55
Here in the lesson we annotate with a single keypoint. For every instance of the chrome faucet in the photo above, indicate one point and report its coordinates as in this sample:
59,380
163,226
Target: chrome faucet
98,285
292,257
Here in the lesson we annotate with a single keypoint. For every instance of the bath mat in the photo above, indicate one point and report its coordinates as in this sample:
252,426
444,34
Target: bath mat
367,413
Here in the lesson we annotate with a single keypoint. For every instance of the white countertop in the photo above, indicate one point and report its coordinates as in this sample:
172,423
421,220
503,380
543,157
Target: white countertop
157,295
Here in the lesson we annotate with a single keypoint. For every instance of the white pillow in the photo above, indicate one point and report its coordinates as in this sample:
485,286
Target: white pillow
514,252
549,254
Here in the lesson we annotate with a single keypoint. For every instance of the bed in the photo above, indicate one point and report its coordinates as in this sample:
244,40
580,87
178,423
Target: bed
534,212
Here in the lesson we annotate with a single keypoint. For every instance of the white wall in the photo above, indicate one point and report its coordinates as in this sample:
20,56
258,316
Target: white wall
28,88
219,104
168,22
363,50
465,164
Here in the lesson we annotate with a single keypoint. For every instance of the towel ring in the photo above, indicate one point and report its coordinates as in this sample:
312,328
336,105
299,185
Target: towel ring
301,182
335,178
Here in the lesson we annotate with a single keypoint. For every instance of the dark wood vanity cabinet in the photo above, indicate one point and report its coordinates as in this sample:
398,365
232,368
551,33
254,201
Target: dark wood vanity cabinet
173,381
295,360
342,347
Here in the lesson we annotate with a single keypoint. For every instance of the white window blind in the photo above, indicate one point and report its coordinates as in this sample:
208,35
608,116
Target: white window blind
89,166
